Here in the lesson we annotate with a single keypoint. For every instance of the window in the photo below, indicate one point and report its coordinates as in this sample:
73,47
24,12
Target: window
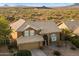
53,37
26,33
29,33
32,32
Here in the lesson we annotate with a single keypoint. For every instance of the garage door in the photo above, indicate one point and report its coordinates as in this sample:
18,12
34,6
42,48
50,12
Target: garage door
29,45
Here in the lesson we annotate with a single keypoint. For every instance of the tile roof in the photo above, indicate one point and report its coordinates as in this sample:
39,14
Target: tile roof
72,25
45,26
17,24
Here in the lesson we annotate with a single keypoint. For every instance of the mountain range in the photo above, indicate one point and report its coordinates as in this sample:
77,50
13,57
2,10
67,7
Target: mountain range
37,4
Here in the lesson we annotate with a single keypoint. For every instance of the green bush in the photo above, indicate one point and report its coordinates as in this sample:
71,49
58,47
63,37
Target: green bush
23,53
50,18
75,41
57,53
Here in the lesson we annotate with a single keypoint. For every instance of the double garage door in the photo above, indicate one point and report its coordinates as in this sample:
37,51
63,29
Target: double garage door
29,46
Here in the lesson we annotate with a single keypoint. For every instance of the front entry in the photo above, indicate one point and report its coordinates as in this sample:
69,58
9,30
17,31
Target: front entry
53,39
45,42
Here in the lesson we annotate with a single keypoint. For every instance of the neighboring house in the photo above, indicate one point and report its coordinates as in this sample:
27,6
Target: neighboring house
73,26
14,26
36,34
76,31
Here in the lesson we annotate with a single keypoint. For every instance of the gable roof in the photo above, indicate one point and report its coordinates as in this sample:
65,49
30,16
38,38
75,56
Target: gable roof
72,25
17,24
45,26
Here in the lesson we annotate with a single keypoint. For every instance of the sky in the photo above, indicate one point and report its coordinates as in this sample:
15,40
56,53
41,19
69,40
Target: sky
37,4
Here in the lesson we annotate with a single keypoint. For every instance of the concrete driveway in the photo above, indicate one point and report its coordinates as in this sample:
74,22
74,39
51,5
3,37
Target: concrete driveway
37,52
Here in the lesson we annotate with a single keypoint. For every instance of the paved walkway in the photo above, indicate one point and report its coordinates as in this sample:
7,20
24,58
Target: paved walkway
37,52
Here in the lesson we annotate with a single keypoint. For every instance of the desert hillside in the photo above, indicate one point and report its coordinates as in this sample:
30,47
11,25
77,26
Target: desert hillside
41,13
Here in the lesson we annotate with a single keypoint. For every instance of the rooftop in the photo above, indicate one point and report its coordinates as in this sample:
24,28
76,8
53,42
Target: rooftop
45,26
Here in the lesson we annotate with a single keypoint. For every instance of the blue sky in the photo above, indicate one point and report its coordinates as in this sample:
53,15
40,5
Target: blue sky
37,4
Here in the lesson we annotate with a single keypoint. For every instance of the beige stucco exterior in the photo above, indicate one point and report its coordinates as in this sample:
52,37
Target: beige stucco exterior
34,44
35,41
13,34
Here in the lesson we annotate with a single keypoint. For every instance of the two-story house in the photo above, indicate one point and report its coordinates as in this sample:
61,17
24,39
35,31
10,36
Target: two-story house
35,34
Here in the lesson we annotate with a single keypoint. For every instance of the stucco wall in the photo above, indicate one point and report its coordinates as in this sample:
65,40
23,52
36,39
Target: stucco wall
13,34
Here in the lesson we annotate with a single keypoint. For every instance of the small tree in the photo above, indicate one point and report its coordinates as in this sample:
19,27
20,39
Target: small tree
4,30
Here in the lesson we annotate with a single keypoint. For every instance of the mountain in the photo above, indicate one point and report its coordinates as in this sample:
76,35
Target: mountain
75,4
35,4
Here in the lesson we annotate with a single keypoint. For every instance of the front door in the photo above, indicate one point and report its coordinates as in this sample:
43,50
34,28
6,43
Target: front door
53,39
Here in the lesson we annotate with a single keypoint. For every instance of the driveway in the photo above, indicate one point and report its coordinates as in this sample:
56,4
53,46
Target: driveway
65,50
37,52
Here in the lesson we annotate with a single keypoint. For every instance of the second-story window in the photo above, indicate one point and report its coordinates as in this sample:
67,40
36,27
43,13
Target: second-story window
29,33
26,33
32,32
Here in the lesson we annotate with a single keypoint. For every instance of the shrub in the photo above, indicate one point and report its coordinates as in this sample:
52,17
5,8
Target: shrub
50,18
75,41
57,53
23,53
73,48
